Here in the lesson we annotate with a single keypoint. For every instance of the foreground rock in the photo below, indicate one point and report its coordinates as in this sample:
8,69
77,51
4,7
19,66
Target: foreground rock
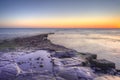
77,73
40,65
102,64
89,56
39,59
40,62
9,71
64,54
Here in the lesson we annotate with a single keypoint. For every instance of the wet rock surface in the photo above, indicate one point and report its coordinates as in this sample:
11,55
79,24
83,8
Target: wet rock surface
39,59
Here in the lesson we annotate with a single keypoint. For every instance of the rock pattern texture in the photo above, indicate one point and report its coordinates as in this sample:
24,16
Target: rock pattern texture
41,62
103,64
39,59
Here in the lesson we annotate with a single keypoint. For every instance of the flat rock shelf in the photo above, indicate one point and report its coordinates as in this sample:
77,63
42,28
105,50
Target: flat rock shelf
37,58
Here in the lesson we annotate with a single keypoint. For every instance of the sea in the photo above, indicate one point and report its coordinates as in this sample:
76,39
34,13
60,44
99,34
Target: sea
103,42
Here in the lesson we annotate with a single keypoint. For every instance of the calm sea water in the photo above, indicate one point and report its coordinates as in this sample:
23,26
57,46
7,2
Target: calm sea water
8,33
103,42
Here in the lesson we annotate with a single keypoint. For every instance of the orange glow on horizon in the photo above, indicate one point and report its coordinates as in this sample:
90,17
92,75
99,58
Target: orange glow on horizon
80,22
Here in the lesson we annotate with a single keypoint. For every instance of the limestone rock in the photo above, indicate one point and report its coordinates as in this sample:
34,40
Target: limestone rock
76,73
70,62
89,56
9,71
63,54
59,78
103,64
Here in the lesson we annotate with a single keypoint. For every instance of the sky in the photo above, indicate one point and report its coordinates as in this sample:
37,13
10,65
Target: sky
60,13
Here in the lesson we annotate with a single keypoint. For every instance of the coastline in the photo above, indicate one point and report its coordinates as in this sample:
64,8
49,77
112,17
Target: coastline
105,46
31,43
41,42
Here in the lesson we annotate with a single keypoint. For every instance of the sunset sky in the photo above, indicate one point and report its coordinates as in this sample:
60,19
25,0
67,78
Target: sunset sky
60,13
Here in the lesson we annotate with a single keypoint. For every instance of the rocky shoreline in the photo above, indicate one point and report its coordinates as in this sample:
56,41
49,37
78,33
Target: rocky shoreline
66,64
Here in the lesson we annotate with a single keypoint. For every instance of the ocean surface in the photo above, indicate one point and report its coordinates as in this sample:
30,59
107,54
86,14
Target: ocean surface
8,33
103,42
